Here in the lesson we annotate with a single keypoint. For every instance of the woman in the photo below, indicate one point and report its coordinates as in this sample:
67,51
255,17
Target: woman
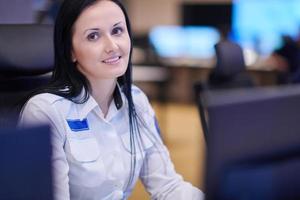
105,134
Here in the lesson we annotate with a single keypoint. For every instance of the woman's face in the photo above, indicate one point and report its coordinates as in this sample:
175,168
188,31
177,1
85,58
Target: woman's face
101,43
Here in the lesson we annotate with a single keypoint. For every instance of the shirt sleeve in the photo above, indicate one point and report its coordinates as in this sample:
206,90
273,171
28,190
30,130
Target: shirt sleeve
158,174
40,112
161,180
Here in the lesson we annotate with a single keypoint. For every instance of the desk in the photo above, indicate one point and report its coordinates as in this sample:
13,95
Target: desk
175,83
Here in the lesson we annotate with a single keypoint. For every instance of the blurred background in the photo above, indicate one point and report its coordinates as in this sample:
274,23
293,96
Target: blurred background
175,48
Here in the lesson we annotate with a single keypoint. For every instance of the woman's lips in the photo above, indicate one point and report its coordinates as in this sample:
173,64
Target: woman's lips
112,60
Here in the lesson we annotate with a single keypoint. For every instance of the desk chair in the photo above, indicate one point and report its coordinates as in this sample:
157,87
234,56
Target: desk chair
199,88
230,69
17,12
229,73
26,59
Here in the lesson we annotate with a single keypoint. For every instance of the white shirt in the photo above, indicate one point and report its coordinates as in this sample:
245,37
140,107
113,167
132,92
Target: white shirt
91,153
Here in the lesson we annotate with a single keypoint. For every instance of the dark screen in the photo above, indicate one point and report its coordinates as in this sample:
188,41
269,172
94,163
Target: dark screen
206,14
25,165
253,144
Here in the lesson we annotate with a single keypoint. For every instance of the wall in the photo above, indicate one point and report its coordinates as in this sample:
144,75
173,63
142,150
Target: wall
145,14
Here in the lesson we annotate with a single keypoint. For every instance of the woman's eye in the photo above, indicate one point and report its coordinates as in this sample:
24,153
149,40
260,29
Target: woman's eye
117,31
93,36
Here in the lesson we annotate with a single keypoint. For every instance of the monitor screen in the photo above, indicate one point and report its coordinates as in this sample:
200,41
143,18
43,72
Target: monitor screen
191,42
253,143
206,14
259,24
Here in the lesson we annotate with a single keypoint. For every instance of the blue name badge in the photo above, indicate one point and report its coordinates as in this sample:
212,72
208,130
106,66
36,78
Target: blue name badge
78,125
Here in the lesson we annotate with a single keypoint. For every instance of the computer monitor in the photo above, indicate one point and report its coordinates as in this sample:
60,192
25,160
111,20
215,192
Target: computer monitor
184,43
206,13
253,144
25,164
259,25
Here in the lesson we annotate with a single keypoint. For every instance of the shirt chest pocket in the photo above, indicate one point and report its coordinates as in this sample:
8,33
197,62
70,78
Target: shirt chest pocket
84,149
86,167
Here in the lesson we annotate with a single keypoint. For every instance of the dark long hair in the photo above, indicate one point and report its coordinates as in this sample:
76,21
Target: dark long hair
67,81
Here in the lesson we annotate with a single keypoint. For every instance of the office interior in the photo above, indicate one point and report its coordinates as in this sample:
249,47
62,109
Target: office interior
168,74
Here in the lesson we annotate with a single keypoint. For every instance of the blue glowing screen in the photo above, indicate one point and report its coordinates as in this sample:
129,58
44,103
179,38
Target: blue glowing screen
184,41
259,24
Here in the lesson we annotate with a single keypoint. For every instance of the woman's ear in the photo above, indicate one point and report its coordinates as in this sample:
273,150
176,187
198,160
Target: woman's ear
74,60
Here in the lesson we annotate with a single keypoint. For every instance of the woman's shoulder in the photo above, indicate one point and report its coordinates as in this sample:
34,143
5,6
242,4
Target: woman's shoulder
141,100
47,102
138,95
44,106
44,98
136,90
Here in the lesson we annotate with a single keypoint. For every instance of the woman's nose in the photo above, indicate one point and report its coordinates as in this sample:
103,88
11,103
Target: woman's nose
110,45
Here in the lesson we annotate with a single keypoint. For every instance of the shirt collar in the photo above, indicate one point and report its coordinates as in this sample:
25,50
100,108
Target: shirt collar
91,103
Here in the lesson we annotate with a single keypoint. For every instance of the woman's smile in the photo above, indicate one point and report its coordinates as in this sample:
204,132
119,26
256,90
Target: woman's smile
112,60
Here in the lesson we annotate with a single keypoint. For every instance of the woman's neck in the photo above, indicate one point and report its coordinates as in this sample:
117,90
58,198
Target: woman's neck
102,91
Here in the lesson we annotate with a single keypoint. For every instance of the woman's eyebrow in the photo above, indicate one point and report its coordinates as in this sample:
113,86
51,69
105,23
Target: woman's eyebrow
116,24
97,29
91,29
